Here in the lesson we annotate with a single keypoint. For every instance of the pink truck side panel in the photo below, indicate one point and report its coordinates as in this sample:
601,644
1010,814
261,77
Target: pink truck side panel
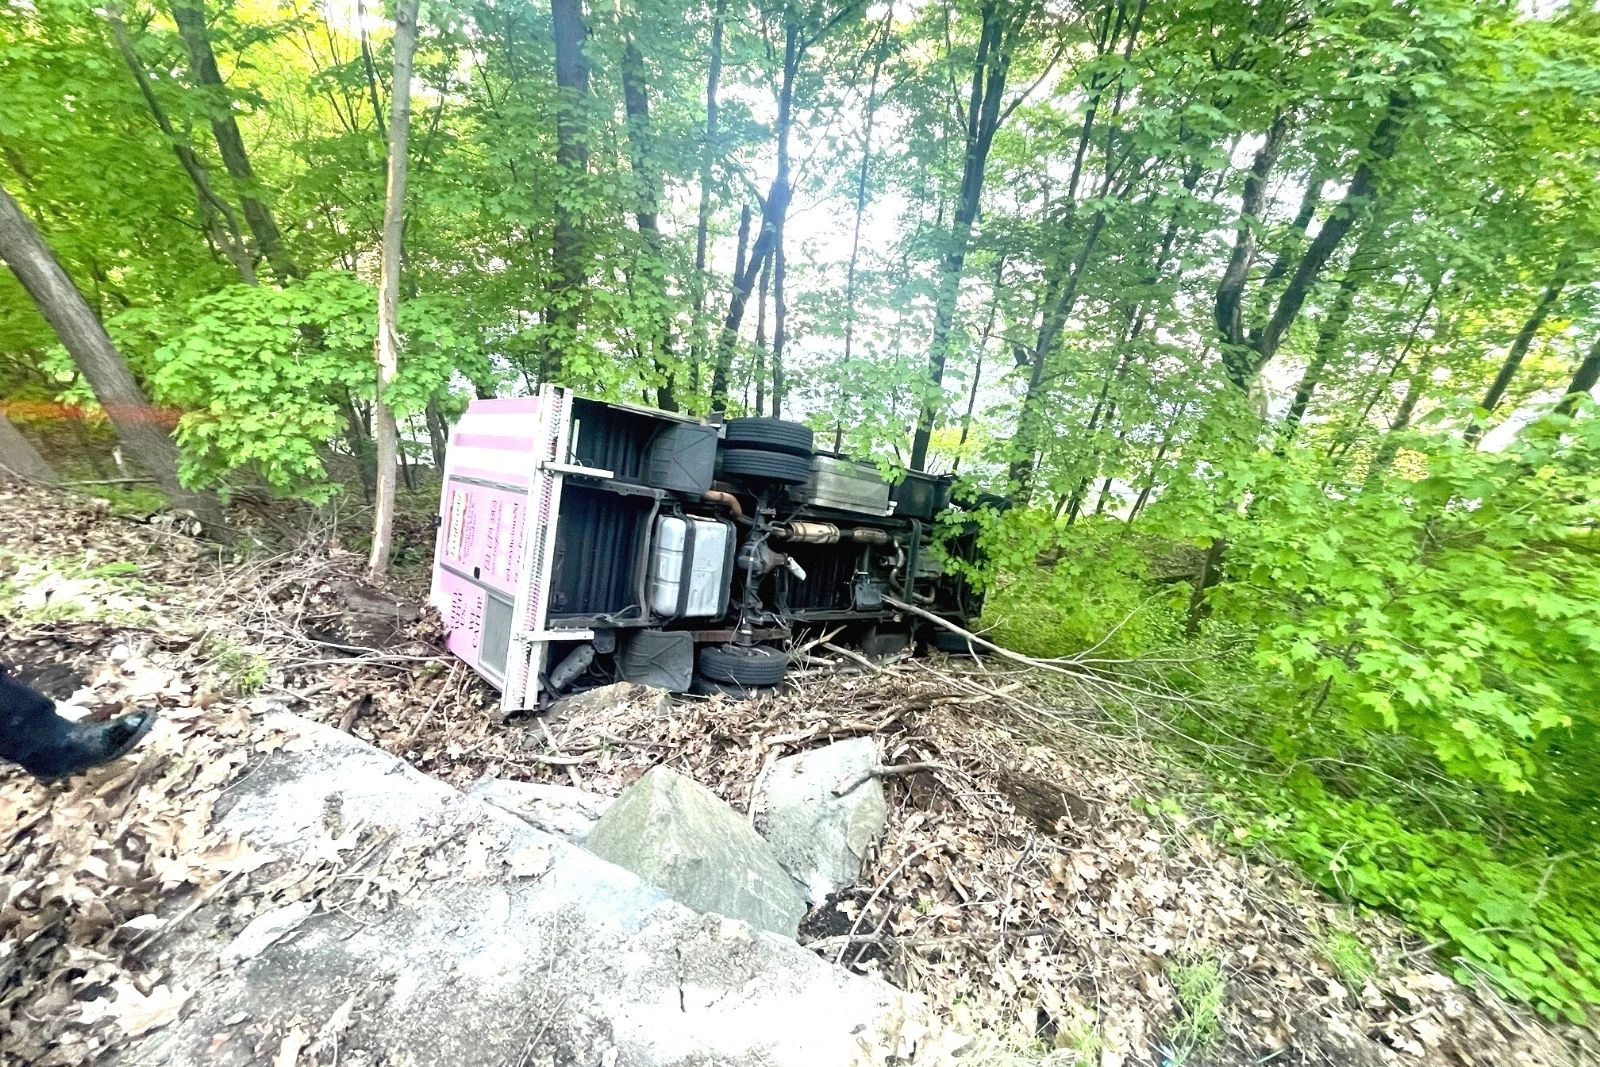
461,605
483,531
492,554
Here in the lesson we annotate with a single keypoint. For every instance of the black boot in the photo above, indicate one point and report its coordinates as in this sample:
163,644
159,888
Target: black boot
49,746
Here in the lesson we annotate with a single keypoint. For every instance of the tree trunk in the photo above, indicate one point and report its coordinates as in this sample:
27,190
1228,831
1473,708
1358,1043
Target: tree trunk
1357,202
1523,341
215,213
761,334
780,325
191,22
139,426
18,457
636,104
708,155
989,70
568,254
1229,309
388,342
724,359
773,211
1331,328
1402,419
977,368
861,209
1583,381
433,415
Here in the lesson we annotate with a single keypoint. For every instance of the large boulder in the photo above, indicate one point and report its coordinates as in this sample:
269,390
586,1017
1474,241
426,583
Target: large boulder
679,835
501,944
556,809
822,839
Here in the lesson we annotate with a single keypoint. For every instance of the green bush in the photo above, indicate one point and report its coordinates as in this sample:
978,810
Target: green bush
1415,661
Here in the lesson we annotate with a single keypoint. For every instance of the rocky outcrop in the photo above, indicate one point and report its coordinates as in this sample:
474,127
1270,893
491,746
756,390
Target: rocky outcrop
680,836
556,809
821,838
497,944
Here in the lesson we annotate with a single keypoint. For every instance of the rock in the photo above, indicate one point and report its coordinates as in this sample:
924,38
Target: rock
679,835
598,703
556,809
819,838
488,959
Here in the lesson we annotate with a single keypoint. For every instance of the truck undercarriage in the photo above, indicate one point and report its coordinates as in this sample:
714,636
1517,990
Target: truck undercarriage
582,542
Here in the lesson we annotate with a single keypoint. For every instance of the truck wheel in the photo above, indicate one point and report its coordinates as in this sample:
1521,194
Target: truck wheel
756,665
948,641
706,687
762,466
774,435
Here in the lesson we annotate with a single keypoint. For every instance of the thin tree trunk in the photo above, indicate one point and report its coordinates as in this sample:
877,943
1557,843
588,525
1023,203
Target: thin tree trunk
191,22
989,70
19,458
636,104
1229,308
1523,341
773,211
780,325
1402,419
568,253
1583,381
861,210
1357,202
708,155
216,214
139,427
433,416
977,369
1155,467
371,71
723,365
388,342
761,334
1331,328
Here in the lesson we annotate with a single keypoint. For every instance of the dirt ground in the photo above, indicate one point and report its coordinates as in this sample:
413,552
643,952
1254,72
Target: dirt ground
1037,882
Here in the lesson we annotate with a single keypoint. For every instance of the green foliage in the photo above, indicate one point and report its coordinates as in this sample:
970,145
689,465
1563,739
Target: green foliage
235,668
1418,659
1201,990
266,376
1055,589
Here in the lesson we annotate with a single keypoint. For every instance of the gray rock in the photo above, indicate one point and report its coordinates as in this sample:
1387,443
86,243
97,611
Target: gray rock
556,809
567,961
819,838
679,835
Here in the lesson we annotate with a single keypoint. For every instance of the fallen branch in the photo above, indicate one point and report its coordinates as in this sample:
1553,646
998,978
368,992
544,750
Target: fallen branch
570,765
851,654
879,771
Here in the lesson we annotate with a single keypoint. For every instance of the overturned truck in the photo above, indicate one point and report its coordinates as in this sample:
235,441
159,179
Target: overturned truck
582,542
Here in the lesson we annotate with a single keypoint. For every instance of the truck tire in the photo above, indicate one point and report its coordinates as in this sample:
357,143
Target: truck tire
949,641
762,466
774,435
755,665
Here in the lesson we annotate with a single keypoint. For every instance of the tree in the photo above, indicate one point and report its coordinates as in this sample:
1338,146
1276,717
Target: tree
568,252
191,22
19,458
139,426
388,343
1000,23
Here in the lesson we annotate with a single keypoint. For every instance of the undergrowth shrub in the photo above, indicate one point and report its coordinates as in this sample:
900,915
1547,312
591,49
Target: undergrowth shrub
1413,658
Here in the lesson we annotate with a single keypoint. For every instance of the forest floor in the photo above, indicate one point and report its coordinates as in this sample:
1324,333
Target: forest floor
1045,880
